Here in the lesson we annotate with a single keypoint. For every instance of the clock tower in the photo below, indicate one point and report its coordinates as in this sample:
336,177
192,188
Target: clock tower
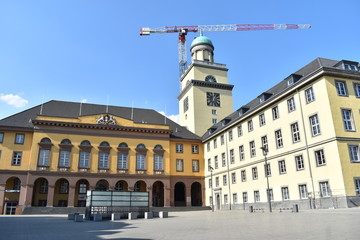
206,96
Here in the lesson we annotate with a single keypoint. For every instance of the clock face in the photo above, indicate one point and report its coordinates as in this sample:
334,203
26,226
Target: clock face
210,78
213,99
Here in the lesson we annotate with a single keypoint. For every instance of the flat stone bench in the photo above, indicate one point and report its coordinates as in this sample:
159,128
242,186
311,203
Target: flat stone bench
79,218
163,214
149,215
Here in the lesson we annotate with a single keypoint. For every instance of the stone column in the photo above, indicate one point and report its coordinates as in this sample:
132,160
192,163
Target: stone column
167,198
188,196
50,196
26,193
2,197
71,196
149,189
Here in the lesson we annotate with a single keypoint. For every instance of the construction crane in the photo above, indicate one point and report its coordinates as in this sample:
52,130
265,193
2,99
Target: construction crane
183,30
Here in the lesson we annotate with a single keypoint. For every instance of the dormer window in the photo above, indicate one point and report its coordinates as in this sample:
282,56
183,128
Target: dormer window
293,78
351,67
348,65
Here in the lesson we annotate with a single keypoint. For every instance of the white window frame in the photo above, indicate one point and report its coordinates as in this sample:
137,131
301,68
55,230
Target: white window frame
232,156
295,132
255,174
299,162
158,162
104,160
262,120
357,89
16,159
245,197
282,167
285,193
179,165
303,191
243,175
279,139
256,196
179,148
252,149
195,165
240,131
291,104
341,88
241,153
84,159
233,177
275,112
250,126
354,152
64,158
309,95
348,120
224,180
315,125
320,157
324,189
223,160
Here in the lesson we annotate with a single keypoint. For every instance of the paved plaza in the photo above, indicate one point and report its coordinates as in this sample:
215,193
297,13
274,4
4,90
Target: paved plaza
317,224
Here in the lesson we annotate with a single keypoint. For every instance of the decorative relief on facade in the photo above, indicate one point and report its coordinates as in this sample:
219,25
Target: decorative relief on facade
106,120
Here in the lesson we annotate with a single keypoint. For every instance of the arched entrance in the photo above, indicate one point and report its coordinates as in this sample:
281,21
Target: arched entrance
179,194
11,196
40,193
158,194
80,196
140,186
61,193
102,185
196,194
121,186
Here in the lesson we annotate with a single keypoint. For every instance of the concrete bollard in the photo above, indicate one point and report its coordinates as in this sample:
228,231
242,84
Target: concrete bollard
79,218
132,215
163,214
115,216
97,217
149,215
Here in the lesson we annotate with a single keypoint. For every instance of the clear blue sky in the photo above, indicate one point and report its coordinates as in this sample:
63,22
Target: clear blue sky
91,49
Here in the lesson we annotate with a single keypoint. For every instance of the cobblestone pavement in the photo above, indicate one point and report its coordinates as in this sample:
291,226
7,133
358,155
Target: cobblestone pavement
316,224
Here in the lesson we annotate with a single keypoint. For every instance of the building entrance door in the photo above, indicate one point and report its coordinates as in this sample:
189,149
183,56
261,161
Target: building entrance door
218,202
10,208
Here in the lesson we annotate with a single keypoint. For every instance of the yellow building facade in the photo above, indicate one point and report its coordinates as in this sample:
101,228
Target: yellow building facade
50,155
308,126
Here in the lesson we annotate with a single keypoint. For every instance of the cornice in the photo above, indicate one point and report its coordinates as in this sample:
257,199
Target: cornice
201,83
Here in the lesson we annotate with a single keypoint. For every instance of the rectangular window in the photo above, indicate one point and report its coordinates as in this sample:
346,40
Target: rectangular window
179,165
264,142
285,193
215,143
186,104
254,173
213,112
278,139
295,132
16,160
243,175
208,146
225,199
209,165
217,183
262,120
357,89
232,156
240,132
84,159
252,149
299,161
303,191
282,167
271,195
214,121
122,160
223,159
341,88
315,125
1,137
235,198
19,138
320,158
222,139
210,183
275,112
233,178
82,188
309,95
241,153
44,155
195,166
158,162
179,148
64,158
195,149
291,104
256,196
216,162
324,189
230,135
267,169
354,153
104,160
357,186
250,126
348,120
245,197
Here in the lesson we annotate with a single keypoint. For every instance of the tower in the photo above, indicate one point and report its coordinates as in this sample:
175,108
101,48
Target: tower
206,96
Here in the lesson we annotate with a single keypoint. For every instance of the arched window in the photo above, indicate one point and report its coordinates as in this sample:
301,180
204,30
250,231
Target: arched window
44,152
158,158
123,145
45,140
84,154
83,187
43,186
66,142
65,153
104,155
64,187
17,184
141,157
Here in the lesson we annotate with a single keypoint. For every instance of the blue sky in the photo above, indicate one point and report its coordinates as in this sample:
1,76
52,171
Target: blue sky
90,50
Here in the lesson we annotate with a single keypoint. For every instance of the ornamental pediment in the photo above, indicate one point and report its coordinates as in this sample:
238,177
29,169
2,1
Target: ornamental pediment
106,120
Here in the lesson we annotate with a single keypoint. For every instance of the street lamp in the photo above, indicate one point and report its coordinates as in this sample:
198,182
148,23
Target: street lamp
265,152
212,191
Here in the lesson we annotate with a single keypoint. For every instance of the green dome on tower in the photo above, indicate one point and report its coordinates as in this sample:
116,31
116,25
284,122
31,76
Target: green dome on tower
201,40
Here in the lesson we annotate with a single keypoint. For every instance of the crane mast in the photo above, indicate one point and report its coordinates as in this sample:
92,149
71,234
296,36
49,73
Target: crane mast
183,30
